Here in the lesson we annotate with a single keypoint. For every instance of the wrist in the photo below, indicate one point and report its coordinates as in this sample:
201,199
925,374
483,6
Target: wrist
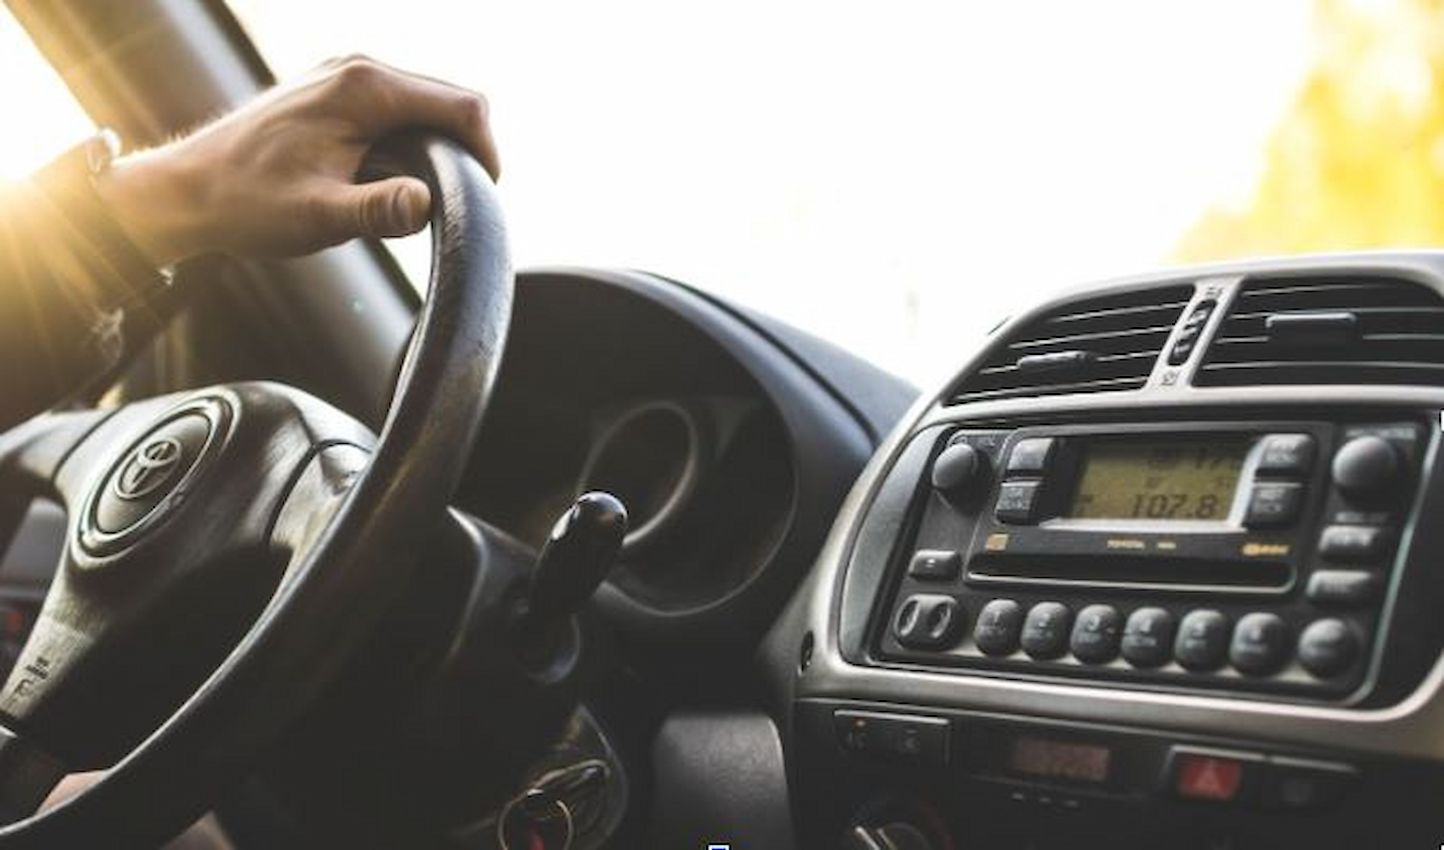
151,196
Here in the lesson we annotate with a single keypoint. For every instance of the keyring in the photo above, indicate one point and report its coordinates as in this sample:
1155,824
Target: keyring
531,802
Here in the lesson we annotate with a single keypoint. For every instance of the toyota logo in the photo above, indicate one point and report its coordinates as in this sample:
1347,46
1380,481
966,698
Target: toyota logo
148,468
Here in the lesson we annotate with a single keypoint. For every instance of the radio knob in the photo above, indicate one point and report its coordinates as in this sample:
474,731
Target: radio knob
1366,466
957,469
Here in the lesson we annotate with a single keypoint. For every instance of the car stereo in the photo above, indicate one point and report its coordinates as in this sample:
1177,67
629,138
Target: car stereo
1241,555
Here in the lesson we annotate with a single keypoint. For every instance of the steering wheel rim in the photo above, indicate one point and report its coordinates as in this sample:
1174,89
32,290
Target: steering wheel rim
339,586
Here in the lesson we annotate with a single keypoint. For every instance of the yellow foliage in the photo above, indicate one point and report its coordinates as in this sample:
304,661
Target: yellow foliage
1358,159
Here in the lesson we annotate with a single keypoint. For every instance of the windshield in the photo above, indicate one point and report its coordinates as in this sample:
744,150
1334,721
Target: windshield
898,177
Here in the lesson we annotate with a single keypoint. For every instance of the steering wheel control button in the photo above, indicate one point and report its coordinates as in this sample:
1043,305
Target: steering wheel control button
1202,642
1095,634
1213,776
1273,504
1290,455
1357,543
1328,647
957,468
1016,501
999,626
1366,466
1030,456
935,565
1260,644
1302,784
1148,637
1045,631
1342,587
928,621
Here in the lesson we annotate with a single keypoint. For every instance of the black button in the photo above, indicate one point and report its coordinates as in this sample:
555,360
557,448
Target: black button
1148,637
1030,456
1342,587
1328,647
1353,542
1260,644
1366,466
1202,640
1095,634
998,627
928,621
956,467
1016,501
1273,504
935,565
1045,632
1286,454
1305,784
901,737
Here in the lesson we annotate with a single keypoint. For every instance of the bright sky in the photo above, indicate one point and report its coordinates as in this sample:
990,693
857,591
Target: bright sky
895,177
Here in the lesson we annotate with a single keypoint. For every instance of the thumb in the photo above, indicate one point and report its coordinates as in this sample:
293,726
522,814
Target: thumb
396,206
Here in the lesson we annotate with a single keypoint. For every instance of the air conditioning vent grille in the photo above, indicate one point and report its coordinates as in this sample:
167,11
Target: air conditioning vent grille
1090,345
1329,331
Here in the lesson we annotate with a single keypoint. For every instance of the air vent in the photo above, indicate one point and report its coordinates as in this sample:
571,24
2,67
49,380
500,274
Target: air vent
1090,345
1352,330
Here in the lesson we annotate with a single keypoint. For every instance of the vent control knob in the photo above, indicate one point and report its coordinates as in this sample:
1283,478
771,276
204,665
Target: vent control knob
1367,466
958,469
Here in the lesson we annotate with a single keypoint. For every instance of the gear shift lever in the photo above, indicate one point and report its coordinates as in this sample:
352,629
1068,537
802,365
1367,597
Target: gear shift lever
578,554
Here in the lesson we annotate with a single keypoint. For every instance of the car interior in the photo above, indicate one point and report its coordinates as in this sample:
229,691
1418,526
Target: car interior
574,557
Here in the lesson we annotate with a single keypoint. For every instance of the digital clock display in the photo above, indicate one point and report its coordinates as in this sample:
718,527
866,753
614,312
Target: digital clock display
1159,479
1047,759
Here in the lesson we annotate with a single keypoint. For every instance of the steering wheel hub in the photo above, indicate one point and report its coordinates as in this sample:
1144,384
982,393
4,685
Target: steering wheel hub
152,476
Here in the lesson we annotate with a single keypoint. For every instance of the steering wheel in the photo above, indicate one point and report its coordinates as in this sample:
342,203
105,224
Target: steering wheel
189,513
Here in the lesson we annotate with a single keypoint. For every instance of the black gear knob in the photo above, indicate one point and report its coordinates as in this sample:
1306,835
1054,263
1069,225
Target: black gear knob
578,554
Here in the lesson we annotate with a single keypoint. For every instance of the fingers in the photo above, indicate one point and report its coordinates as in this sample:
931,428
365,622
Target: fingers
397,206
379,98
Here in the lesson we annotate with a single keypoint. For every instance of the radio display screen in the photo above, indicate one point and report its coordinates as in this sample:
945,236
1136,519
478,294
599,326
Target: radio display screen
1159,479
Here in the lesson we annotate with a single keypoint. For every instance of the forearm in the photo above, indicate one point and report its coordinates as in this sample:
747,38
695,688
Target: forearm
63,303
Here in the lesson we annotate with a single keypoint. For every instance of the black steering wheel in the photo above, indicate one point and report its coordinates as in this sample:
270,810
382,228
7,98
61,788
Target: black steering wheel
189,513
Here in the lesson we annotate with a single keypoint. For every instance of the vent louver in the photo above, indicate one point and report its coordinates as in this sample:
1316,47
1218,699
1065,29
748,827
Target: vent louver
1091,345
1354,330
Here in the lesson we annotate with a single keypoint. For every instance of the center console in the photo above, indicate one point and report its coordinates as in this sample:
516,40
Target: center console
1158,568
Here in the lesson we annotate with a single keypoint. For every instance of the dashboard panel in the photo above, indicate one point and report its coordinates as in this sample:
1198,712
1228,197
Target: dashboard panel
956,667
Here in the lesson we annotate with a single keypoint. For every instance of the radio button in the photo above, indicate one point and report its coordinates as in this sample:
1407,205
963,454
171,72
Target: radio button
1287,454
1148,637
1353,542
998,628
1260,644
1273,504
1328,647
928,621
957,467
1095,634
1342,587
1202,640
1367,466
1045,631
935,565
1030,456
1016,501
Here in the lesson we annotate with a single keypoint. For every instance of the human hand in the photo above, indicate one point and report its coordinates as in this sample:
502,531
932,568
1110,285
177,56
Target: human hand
276,177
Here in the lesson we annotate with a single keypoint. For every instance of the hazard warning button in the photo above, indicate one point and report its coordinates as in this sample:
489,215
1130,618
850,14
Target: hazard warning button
1217,776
